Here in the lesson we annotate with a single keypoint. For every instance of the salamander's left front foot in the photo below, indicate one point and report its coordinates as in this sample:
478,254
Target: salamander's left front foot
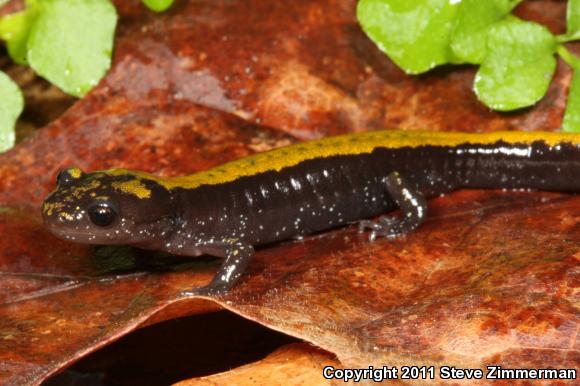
413,210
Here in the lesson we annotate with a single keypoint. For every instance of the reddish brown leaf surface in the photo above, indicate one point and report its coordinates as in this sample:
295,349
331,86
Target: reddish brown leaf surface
490,278
297,364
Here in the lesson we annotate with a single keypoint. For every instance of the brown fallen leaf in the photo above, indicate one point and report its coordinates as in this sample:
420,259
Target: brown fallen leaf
297,364
489,279
177,349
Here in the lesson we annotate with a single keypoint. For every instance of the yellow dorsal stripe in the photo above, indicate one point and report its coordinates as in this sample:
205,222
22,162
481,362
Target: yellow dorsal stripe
350,144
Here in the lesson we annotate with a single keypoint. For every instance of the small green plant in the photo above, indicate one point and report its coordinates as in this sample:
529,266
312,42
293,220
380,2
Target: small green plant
515,57
68,42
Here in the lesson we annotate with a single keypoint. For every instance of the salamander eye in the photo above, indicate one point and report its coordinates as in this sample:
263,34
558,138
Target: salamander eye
63,178
102,213
67,176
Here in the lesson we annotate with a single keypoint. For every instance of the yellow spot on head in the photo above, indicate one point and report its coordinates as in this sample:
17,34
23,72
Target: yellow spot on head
78,191
75,172
134,187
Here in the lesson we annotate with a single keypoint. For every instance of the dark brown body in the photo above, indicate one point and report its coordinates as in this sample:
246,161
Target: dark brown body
302,189
328,192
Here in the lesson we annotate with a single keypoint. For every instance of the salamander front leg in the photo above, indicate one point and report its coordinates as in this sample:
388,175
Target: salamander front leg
237,256
412,204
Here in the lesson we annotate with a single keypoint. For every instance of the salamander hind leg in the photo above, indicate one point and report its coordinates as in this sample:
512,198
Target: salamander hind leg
237,256
412,204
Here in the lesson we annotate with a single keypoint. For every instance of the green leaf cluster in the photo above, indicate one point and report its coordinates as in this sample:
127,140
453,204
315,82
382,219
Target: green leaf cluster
516,58
68,42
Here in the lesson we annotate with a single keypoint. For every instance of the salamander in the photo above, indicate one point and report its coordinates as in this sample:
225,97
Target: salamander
300,189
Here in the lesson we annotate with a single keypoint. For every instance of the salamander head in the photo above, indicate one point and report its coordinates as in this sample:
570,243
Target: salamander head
108,207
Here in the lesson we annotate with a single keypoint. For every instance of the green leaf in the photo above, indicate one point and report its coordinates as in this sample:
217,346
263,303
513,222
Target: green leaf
518,67
573,18
474,20
414,33
71,42
15,29
10,108
158,5
571,121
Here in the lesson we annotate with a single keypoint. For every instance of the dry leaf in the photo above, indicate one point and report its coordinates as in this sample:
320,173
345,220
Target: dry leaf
489,279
